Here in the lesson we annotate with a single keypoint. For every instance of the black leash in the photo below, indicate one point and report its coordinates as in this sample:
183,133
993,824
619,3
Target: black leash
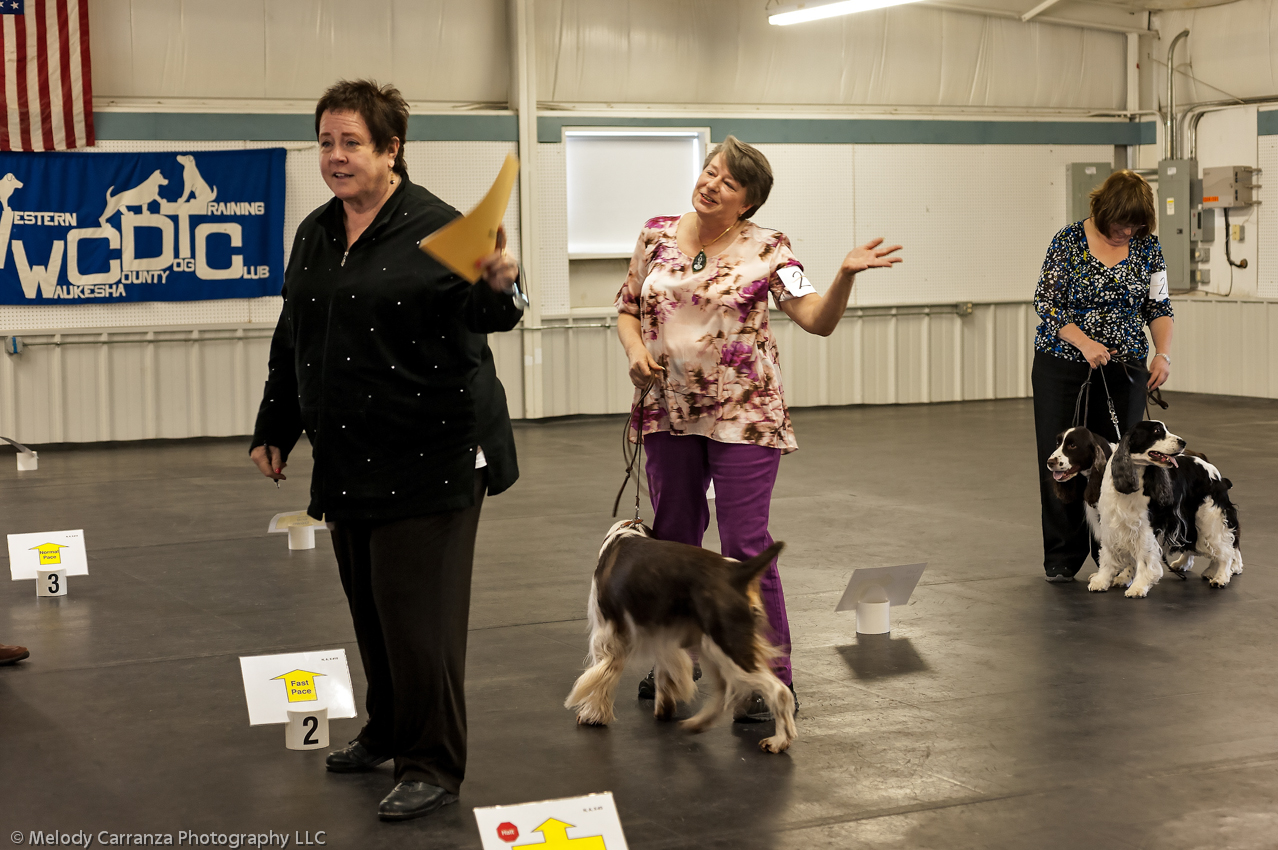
1084,398
633,457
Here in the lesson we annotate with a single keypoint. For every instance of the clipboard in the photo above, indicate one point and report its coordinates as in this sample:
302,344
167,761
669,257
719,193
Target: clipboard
463,241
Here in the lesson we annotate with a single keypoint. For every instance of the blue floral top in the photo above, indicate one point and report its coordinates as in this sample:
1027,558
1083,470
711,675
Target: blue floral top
1111,305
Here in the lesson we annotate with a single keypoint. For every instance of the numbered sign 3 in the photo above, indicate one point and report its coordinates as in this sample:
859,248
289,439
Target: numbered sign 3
307,730
51,583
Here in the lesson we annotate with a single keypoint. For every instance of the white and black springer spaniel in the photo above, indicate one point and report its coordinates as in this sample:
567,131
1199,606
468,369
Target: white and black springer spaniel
657,598
1154,500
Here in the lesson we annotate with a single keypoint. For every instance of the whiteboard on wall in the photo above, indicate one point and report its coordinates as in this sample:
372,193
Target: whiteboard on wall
619,178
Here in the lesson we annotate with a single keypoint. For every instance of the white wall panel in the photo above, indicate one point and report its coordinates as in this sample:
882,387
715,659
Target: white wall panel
129,385
1267,219
1229,51
725,52
975,220
433,50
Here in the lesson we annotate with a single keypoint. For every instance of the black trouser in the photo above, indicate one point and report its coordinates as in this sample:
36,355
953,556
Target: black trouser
408,584
1066,539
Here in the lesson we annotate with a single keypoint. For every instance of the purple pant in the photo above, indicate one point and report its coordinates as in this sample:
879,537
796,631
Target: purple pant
680,468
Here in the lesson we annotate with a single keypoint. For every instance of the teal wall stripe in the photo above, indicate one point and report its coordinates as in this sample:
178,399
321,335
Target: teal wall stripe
191,126
1267,123
895,131
195,126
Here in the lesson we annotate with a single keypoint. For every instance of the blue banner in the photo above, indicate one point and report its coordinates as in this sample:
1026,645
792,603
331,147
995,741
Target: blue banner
92,228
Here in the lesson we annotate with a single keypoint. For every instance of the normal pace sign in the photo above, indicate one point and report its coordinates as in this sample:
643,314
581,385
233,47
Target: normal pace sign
171,226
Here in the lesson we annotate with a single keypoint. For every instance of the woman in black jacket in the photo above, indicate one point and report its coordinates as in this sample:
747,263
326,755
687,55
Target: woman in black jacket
380,356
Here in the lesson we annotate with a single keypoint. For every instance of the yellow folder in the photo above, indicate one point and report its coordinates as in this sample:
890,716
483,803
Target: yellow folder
463,241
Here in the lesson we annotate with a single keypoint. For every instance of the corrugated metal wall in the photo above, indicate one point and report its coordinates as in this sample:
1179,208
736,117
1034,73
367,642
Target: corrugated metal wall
141,384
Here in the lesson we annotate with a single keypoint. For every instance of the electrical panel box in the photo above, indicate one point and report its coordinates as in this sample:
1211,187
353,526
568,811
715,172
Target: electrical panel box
1229,186
1202,226
1080,179
1177,179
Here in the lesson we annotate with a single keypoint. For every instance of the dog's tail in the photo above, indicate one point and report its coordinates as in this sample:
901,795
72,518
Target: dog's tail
747,571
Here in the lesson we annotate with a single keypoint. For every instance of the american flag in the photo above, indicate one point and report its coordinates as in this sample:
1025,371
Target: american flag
46,88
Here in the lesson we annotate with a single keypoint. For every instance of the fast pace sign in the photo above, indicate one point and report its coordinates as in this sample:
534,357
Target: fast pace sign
109,227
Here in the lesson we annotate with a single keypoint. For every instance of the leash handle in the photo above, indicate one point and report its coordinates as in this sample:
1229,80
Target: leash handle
635,459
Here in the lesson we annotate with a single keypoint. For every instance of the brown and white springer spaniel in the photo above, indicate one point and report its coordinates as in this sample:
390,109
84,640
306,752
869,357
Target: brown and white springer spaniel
660,599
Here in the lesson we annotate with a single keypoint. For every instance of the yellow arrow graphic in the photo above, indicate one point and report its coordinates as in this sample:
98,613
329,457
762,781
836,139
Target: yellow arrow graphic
556,834
50,553
300,685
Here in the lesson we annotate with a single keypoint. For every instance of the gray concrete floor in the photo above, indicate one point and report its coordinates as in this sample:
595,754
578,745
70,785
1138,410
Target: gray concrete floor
1004,712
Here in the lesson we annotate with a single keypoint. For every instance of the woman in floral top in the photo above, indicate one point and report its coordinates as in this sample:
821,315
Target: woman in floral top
1104,279
693,315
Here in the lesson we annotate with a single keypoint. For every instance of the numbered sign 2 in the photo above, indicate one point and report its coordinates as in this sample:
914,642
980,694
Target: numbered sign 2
51,583
307,730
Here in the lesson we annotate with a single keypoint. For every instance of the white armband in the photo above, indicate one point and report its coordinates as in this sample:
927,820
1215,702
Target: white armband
796,284
1158,286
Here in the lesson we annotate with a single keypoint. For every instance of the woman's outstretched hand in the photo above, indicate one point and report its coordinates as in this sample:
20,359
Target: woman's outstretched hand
869,256
499,270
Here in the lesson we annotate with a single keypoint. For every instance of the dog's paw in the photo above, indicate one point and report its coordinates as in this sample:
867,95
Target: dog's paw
1221,578
695,725
1138,591
664,710
594,716
1097,583
775,744
1124,577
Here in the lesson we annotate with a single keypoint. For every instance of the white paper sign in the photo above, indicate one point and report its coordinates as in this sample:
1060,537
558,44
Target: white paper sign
897,582
52,550
273,684
574,823
1158,286
295,519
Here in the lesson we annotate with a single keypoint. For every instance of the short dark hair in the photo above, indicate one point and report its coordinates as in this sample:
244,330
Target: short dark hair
1124,200
749,166
383,108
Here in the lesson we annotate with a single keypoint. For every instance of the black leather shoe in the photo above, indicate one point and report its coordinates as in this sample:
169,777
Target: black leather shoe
413,800
648,684
756,710
354,759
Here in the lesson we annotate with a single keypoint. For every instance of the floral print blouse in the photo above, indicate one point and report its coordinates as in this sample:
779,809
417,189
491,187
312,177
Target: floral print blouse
1110,305
709,330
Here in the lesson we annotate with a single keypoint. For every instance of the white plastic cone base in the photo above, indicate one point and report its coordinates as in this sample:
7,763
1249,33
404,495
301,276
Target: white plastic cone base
301,538
28,462
873,618
307,730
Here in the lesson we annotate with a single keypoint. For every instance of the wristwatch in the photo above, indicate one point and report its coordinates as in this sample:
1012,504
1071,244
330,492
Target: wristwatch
1166,357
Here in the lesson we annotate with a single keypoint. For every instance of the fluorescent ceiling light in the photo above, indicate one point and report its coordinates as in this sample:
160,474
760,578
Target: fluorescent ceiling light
803,12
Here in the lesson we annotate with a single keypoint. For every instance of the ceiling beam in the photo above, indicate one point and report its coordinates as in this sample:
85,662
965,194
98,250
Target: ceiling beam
1046,4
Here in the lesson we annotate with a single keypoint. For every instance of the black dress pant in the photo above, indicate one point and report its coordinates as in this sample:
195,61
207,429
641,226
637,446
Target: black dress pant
408,585
1066,539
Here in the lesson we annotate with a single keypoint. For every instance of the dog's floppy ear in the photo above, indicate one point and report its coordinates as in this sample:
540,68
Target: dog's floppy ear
1100,457
1124,471
747,571
1158,486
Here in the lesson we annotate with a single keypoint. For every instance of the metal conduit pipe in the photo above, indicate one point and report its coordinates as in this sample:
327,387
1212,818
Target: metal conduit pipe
1169,125
1194,113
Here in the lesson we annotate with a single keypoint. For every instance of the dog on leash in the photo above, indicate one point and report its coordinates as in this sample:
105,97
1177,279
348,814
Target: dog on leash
1155,501
660,599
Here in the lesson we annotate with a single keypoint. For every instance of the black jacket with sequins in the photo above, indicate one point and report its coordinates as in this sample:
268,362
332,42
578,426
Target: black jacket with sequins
380,355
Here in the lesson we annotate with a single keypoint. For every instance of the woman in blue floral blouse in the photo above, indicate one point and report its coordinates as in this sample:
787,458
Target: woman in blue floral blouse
1104,279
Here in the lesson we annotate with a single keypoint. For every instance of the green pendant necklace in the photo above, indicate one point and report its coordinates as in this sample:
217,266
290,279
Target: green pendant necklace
699,261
